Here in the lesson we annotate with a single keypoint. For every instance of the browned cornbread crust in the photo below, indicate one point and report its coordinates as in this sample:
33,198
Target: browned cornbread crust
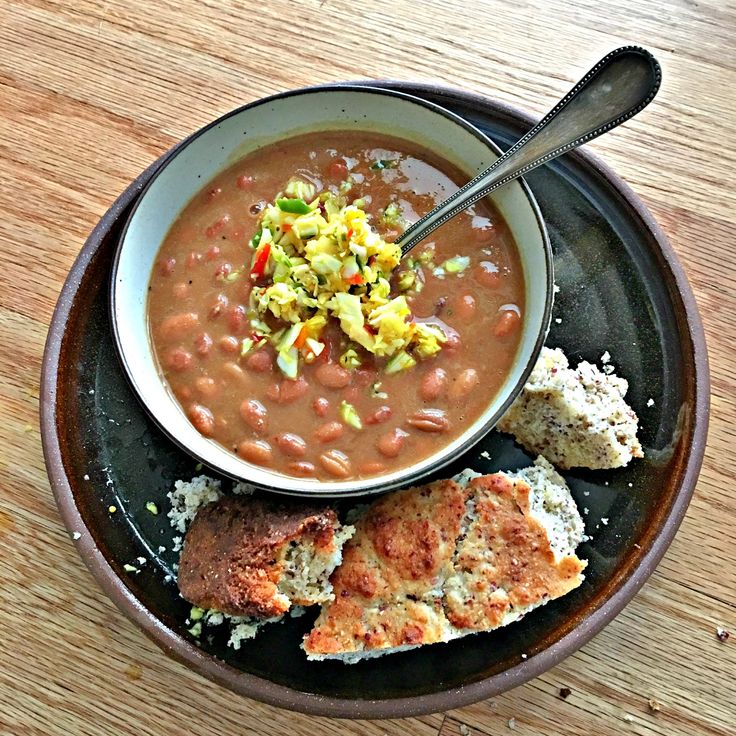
438,562
233,556
388,587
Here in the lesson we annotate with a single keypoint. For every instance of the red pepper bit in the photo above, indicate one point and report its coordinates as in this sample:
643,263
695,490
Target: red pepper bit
349,233
259,265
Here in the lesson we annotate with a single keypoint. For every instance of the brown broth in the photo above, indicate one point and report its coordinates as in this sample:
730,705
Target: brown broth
196,316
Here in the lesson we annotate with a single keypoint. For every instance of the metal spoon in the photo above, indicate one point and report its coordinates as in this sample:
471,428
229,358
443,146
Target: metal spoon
619,86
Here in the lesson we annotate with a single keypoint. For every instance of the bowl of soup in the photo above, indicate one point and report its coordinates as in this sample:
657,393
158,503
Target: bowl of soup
265,319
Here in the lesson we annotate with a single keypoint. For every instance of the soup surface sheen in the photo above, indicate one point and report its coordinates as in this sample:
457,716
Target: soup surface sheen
199,315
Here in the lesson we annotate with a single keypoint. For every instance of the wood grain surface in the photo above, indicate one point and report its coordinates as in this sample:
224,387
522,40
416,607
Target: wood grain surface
91,92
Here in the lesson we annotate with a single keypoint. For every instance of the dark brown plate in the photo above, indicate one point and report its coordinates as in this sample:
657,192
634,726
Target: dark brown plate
622,290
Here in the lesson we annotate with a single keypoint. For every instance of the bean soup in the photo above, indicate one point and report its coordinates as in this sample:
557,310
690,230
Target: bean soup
290,332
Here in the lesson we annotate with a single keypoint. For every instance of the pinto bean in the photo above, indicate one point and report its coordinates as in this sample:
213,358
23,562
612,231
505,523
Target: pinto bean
380,415
293,390
391,443
221,302
212,253
465,307
337,169
203,344
193,259
258,452
206,386
261,361
486,273
166,267
336,463
217,226
464,384
233,371
364,376
329,432
301,468
229,344
433,384
179,360
291,444
321,406
429,420
507,323
177,325
332,375
254,414
237,319
202,419
371,468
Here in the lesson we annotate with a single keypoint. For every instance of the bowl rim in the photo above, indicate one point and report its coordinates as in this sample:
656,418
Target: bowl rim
279,483
279,695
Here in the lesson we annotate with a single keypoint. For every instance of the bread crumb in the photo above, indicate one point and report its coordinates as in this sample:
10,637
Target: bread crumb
556,289
608,369
558,320
604,522
486,454
627,717
606,357
650,402
631,485
586,510
85,477
161,549
524,656
654,705
141,560
177,544
464,730
511,723
187,498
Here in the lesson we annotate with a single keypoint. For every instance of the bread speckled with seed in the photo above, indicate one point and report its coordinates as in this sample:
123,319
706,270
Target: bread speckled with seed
574,417
439,562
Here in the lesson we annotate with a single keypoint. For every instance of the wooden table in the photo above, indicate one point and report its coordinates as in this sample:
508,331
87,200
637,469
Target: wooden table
92,91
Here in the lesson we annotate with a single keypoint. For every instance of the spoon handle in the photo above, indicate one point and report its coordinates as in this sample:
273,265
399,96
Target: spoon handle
619,86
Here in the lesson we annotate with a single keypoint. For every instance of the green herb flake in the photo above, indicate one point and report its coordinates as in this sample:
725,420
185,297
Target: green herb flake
296,206
130,568
152,508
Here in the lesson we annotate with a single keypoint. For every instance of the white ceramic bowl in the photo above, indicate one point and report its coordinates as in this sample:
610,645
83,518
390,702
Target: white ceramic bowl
219,145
